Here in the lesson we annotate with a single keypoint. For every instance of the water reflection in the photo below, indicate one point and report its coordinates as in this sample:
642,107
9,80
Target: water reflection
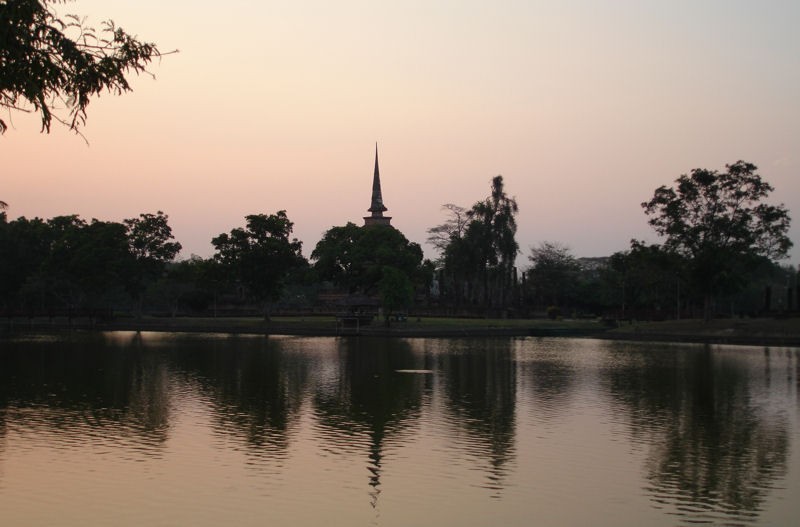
368,400
716,447
77,389
254,387
436,420
547,377
480,388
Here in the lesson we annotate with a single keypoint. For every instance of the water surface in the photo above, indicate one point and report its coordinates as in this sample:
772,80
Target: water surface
164,429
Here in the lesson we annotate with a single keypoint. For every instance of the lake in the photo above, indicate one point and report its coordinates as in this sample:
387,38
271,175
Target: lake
132,429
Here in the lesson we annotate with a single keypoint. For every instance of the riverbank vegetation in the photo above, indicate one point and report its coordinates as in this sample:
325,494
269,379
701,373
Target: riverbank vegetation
723,242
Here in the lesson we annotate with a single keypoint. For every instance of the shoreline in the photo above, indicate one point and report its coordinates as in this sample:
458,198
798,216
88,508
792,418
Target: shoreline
694,332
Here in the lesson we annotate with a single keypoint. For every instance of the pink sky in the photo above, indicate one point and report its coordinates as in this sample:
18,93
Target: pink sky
584,107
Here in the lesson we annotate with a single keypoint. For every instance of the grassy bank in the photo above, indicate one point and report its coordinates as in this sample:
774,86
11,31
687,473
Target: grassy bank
773,331
323,326
756,331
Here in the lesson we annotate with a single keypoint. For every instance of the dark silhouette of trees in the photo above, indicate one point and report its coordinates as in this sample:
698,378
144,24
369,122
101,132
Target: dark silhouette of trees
24,245
68,265
478,249
453,227
261,255
720,224
646,281
553,277
85,262
360,259
395,290
494,226
48,62
149,245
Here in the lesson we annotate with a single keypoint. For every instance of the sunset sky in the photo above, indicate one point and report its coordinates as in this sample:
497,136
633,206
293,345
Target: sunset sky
585,107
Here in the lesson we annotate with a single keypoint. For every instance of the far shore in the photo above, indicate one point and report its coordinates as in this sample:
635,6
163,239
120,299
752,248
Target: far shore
779,331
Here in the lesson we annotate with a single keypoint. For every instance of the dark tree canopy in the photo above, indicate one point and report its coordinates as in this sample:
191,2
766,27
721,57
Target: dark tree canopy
721,224
354,257
496,220
261,255
712,211
441,235
50,64
478,248
553,274
151,248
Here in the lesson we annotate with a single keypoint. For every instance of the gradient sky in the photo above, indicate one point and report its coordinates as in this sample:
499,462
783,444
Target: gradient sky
585,107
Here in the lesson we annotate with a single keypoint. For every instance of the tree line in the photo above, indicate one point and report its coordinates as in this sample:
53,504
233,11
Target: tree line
722,241
67,266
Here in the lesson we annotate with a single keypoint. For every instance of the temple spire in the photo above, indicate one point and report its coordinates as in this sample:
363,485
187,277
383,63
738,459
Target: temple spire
377,207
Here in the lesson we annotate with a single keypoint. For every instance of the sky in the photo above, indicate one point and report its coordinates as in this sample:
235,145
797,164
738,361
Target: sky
585,108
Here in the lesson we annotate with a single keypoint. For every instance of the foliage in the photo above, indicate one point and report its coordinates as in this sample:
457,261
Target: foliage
85,261
495,225
395,289
355,257
720,223
261,255
646,281
149,244
553,312
149,236
67,263
553,275
24,245
48,62
479,249
336,257
453,228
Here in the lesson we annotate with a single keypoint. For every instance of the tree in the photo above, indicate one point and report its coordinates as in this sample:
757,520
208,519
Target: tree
149,244
395,290
493,227
478,249
24,245
719,222
86,261
441,235
48,62
261,256
336,256
553,274
646,281
354,257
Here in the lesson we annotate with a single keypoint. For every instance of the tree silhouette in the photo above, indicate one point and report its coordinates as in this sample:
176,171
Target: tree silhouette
720,223
49,62
261,255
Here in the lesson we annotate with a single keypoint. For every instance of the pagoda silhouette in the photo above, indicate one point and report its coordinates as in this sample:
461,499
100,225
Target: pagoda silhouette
377,208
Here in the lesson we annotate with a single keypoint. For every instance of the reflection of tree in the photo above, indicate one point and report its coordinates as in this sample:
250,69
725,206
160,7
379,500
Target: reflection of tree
548,378
370,399
255,383
79,387
481,393
716,450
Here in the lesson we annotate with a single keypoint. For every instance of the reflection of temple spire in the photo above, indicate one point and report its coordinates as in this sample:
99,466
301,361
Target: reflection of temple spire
377,208
376,440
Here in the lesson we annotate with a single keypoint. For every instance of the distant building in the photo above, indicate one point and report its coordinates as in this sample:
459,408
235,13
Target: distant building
377,208
594,263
